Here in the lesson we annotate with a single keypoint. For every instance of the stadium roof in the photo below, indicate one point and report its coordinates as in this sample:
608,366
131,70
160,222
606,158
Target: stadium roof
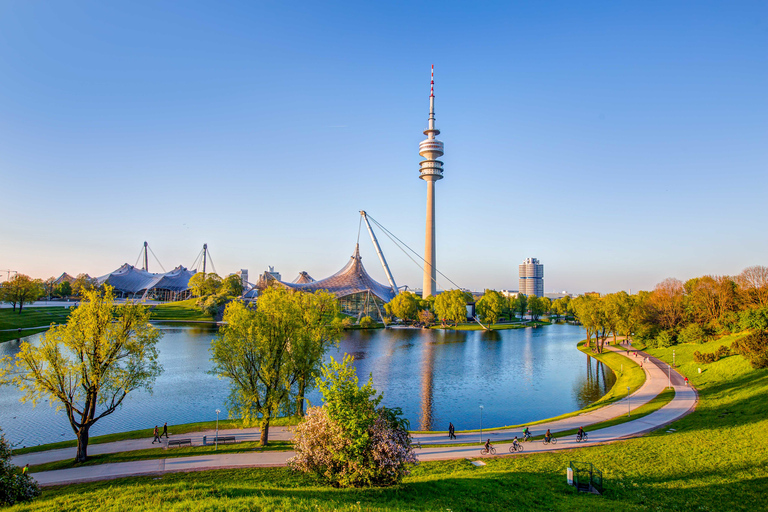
349,280
129,279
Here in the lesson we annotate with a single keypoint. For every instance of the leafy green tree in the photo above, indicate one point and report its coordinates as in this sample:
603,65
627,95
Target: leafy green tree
560,306
546,305
693,333
426,317
520,305
367,322
535,306
490,307
89,365
754,347
590,311
64,289
263,353
82,284
319,331
451,306
202,284
15,487
49,287
20,289
351,441
404,305
231,286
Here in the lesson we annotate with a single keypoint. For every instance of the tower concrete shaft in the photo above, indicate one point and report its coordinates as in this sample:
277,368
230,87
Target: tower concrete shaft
430,170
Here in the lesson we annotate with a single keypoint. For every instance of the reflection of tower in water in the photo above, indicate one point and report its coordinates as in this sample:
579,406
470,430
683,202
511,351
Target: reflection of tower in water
427,385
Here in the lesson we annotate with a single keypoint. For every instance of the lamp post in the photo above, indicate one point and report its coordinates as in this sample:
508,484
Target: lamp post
673,358
629,408
669,376
217,429
481,423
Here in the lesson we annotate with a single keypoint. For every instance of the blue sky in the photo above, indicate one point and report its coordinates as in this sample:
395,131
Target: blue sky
618,142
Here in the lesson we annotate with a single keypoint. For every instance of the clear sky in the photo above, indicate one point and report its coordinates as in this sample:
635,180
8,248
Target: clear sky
618,142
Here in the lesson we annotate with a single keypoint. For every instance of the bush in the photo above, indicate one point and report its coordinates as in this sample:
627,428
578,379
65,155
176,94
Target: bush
14,486
754,347
347,322
350,441
212,304
754,318
711,357
367,322
693,333
663,339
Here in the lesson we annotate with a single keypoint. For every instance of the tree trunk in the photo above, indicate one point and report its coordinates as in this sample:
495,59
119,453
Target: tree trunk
82,444
300,398
264,439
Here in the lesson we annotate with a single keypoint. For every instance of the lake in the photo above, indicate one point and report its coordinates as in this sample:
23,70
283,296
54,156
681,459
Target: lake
435,376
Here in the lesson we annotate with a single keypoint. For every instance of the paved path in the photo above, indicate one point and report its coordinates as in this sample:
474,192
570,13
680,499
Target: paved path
656,380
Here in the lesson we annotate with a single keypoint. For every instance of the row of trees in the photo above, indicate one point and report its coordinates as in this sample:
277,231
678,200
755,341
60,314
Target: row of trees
679,312
213,292
22,289
451,307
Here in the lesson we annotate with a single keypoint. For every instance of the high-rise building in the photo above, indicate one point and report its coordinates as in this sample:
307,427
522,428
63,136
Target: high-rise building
431,170
531,277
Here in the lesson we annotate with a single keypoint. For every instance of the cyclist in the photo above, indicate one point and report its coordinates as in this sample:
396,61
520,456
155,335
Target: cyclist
515,442
547,436
580,434
488,445
526,434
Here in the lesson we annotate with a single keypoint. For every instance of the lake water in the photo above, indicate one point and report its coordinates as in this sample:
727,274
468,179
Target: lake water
435,376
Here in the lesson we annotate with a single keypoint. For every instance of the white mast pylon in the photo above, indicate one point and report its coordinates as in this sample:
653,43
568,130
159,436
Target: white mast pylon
390,278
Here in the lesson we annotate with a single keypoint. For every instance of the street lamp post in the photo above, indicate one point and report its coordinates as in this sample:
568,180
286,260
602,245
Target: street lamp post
673,358
669,376
629,408
217,429
481,423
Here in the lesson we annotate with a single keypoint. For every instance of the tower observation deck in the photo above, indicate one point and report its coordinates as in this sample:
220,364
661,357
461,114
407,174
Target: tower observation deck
430,170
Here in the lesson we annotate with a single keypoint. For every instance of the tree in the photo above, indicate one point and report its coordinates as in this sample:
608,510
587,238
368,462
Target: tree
202,284
20,289
753,286
15,487
319,331
590,311
451,306
253,351
82,284
519,304
64,289
709,298
667,303
490,307
546,305
89,365
426,318
534,307
49,286
404,305
231,286
351,441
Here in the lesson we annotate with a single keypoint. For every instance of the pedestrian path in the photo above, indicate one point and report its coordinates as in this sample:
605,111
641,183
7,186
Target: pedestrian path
657,376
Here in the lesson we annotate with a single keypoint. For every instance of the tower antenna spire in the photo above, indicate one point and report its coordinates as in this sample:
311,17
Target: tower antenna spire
432,83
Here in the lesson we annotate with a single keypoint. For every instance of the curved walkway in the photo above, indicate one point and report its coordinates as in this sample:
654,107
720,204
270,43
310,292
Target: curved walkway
656,380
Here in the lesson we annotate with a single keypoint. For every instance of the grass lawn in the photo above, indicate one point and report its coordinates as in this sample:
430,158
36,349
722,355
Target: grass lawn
183,428
30,317
181,310
715,460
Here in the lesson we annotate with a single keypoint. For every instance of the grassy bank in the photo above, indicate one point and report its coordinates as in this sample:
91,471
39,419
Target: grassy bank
183,428
715,460
181,310
30,317
161,453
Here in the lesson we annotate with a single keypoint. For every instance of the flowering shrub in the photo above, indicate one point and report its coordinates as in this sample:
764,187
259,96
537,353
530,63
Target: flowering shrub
350,441
14,486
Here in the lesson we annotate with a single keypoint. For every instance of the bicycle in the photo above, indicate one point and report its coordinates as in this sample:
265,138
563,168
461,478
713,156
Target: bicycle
484,451
527,437
580,438
552,440
516,447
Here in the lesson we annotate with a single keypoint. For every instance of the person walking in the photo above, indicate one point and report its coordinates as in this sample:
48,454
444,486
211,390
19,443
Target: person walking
165,430
686,381
451,431
25,469
157,436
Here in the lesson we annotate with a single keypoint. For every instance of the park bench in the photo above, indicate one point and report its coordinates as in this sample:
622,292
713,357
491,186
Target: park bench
179,442
225,439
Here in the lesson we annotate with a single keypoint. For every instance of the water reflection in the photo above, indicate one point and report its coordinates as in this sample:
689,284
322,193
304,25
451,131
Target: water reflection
435,376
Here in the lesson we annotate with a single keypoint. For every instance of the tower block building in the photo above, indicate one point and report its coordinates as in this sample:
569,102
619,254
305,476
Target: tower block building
431,170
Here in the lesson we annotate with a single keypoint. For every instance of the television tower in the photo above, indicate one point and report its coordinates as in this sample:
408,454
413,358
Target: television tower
430,171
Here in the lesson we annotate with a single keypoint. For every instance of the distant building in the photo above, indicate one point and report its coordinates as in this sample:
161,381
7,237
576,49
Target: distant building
531,277
510,293
557,295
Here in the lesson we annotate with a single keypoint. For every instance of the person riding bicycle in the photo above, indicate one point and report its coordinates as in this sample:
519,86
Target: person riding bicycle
515,442
547,436
526,433
488,445
580,434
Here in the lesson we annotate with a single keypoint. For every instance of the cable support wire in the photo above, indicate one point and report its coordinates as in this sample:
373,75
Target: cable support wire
156,259
139,258
393,238
198,259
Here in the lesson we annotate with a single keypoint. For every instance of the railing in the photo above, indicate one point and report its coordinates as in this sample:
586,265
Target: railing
586,478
